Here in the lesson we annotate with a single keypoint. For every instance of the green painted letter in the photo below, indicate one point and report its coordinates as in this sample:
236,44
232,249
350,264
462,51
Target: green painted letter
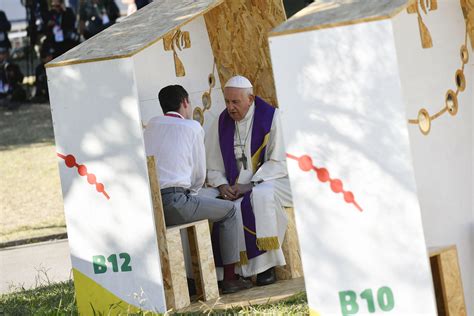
385,299
113,260
347,299
369,297
98,262
126,267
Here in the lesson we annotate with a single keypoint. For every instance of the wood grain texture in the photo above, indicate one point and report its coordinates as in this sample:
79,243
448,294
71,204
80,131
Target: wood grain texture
269,294
238,33
447,281
137,31
160,227
291,251
178,271
207,267
327,14
468,11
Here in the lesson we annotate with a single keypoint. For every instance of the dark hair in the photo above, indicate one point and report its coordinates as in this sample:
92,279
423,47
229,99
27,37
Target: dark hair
171,97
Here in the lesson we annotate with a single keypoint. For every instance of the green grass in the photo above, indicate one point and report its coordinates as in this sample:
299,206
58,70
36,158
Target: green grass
59,299
52,299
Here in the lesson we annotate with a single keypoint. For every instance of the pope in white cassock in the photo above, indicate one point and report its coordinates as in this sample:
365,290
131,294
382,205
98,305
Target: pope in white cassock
246,162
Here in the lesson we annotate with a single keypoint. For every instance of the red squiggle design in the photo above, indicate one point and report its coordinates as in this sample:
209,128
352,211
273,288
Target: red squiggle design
70,162
306,164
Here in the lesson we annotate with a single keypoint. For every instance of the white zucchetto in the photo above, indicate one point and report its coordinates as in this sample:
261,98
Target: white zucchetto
238,82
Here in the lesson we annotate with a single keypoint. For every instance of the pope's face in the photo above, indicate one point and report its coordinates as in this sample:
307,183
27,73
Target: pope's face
237,102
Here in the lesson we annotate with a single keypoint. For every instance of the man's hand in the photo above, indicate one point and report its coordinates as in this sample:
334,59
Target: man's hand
241,189
227,192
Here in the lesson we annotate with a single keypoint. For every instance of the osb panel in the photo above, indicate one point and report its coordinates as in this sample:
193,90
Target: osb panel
333,13
268,294
452,283
468,10
291,251
160,227
447,281
238,34
202,236
178,271
136,32
438,285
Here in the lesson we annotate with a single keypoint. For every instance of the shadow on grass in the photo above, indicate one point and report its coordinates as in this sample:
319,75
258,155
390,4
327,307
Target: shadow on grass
30,124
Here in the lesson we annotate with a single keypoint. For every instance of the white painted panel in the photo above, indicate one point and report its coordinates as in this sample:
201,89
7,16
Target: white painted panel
155,67
341,100
96,118
443,159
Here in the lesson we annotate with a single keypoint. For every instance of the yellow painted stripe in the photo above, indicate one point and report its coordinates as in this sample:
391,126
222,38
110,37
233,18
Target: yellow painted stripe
93,299
256,156
312,312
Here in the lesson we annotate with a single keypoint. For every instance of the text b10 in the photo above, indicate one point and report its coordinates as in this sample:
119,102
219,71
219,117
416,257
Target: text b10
349,305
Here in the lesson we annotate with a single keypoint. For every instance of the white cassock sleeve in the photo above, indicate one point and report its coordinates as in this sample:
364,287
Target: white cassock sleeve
215,164
199,162
274,166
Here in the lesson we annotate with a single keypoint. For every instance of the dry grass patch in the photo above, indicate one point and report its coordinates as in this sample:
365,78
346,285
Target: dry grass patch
30,192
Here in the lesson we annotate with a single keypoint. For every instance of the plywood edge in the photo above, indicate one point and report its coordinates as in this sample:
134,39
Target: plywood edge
339,24
179,227
83,61
69,62
435,251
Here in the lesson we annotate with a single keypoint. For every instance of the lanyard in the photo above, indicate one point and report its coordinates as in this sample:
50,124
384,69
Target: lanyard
173,115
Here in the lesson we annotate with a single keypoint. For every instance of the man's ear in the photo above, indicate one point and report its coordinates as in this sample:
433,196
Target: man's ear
185,103
251,98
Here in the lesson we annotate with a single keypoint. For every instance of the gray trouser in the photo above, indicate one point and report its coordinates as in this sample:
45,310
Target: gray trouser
182,207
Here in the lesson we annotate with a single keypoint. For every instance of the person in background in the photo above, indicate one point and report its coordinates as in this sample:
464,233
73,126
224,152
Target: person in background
41,84
12,92
141,3
97,15
61,28
5,27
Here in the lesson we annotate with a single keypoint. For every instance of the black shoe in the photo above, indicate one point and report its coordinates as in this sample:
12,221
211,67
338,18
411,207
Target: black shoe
233,286
266,277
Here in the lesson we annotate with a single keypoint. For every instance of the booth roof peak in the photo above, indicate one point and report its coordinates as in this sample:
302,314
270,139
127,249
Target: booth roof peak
332,13
137,31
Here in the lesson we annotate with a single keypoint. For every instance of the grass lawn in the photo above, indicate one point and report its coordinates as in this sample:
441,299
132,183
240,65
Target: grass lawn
59,299
30,191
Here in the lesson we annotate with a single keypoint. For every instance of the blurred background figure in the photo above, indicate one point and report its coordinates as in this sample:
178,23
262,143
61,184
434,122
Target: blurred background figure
5,27
61,28
12,92
131,6
97,15
41,83
141,3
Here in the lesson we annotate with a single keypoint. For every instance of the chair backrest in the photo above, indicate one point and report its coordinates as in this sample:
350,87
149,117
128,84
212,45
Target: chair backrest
160,229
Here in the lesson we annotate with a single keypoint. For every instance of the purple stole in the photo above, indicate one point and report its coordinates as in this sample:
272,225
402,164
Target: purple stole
262,123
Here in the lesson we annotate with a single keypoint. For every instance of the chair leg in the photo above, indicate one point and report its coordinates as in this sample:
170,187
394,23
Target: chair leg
178,270
203,251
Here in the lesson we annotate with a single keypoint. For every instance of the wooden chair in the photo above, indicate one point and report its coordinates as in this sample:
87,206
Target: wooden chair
172,257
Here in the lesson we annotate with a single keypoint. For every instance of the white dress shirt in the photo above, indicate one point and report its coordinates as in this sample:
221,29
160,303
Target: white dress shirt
178,147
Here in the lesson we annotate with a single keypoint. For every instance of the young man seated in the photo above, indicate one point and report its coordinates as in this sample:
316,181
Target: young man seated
177,143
